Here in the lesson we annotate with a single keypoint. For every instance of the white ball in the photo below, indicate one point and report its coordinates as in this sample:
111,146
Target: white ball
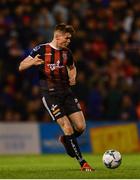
112,159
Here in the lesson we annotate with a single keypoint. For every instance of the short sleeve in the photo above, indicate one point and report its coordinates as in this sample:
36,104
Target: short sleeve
35,51
70,62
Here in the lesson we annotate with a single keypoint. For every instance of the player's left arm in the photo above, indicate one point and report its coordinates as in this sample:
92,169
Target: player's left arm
72,74
71,68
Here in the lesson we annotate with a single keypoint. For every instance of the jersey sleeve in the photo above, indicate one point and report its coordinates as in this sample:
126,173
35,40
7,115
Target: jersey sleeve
35,51
70,62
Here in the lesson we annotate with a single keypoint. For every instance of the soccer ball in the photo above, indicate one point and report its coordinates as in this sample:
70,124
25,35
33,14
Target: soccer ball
112,159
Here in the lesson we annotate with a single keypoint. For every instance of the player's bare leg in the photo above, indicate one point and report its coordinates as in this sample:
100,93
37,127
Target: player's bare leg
65,125
70,143
77,119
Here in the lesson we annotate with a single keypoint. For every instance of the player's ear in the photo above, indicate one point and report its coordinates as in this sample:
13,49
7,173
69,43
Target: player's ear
57,36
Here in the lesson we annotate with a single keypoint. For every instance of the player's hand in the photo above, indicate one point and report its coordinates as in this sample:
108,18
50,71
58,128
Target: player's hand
37,61
72,81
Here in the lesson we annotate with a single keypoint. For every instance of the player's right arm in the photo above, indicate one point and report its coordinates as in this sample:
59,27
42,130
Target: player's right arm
33,59
30,61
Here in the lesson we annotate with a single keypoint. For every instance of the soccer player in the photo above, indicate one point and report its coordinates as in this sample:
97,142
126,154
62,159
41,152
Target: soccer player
57,73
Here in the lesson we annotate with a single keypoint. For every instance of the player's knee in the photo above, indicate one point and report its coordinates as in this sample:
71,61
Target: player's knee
81,127
68,130
79,131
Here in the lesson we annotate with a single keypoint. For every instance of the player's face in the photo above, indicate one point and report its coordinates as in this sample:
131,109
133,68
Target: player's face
64,40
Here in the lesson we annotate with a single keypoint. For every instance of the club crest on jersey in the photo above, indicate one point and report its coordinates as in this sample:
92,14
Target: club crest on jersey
54,66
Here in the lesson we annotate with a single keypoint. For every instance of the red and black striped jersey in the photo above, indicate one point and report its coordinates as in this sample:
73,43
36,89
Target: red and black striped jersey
53,73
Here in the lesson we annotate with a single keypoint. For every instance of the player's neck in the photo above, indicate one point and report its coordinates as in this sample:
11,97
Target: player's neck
53,44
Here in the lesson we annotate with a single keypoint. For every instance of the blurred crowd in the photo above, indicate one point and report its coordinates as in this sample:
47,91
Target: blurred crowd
106,47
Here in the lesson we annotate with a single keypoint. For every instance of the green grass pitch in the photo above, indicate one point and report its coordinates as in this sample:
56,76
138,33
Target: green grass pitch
56,166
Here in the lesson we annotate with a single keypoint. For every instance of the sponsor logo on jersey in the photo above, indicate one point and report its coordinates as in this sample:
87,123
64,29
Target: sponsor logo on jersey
54,66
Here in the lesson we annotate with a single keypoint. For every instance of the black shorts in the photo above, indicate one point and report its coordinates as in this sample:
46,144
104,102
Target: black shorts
60,103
